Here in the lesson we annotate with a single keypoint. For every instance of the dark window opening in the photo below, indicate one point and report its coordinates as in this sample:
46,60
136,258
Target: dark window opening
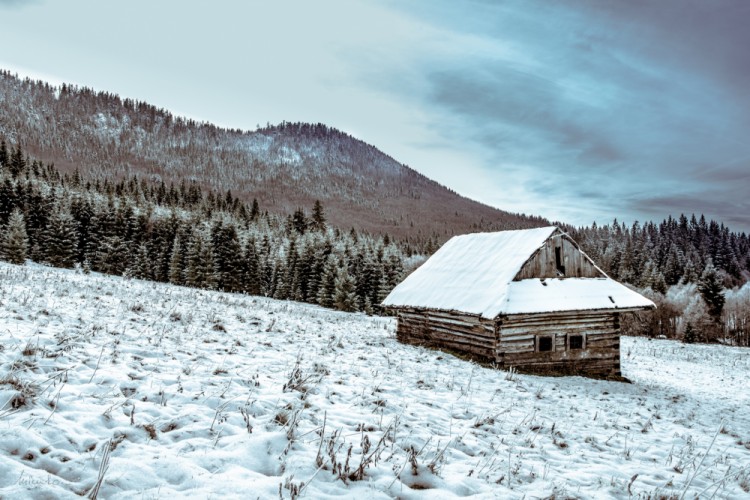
575,342
544,344
559,261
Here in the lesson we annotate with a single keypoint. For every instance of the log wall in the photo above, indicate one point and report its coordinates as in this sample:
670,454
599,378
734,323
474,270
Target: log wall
543,263
600,357
465,333
511,341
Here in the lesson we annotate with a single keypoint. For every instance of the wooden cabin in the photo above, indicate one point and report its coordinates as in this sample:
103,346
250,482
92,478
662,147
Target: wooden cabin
527,299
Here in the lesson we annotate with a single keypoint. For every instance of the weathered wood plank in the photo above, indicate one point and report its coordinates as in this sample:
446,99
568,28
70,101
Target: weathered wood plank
431,332
459,329
485,327
561,315
543,263
560,330
468,318
550,356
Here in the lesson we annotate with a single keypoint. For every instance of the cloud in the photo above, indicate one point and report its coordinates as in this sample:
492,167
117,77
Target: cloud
597,109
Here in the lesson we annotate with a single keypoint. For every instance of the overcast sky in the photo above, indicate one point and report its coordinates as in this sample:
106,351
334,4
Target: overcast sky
577,111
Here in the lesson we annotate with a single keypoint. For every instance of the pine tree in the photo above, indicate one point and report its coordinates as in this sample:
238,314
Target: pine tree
17,163
344,298
327,283
111,256
255,210
141,265
176,264
3,155
7,201
299,221
250,269
194,275
14,243
82,212
201,269
318,222
711,288
289,285
228,256
690,275
60,239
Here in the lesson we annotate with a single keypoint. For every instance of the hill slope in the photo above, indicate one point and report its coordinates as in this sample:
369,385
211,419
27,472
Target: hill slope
284,167
185,393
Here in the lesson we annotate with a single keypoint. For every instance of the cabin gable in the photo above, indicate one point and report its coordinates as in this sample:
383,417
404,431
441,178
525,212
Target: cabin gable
559,257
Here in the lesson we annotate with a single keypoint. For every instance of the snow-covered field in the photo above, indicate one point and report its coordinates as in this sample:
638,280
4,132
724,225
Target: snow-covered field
149,390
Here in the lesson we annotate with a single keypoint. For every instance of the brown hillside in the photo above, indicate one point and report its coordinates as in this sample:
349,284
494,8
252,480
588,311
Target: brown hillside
283,167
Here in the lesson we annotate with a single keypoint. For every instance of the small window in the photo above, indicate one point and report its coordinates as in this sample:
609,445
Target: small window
544,343
575,342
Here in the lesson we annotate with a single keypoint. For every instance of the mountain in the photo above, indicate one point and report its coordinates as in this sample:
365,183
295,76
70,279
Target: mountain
284,167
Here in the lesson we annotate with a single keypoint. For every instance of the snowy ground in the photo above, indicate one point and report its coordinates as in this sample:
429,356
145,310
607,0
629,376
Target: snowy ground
157,391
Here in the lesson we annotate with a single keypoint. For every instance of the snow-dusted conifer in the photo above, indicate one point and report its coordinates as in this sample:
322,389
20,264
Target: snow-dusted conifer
175,262
327,283
250,265
60,239
141,264
711,288
318,219
344,298
201,270
3,154
14,241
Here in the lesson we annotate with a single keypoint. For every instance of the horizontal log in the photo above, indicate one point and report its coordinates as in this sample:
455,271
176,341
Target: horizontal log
560,330
577,365
560,314
460,317
596,320
466,335
449,337
553,356
432,317
469,318
558,321
479,330
424,329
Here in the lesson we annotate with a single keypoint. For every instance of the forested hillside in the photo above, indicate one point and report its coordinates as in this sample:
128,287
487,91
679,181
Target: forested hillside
283,167
183,235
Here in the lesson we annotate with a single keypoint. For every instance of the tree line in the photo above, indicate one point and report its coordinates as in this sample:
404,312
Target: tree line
693,269
187,236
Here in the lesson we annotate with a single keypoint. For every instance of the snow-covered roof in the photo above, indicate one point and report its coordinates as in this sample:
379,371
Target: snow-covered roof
570,294
474,273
